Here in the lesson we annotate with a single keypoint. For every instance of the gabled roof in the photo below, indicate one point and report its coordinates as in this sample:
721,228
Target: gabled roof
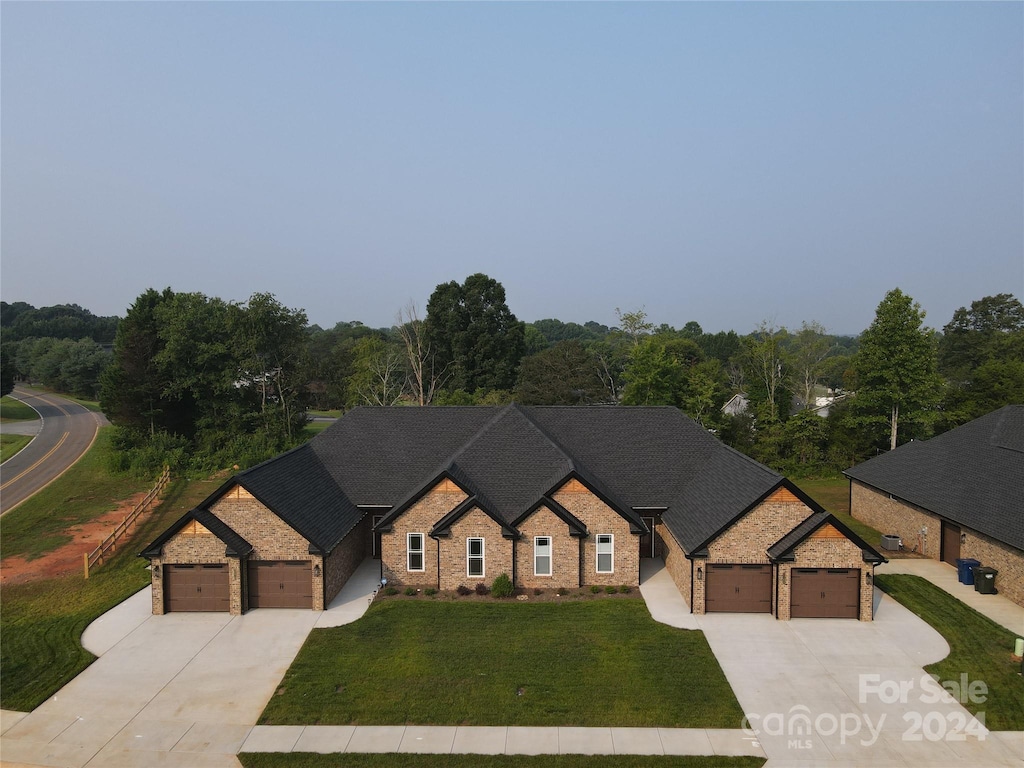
576,526
443,527
783,548
972,475
235,545
510,458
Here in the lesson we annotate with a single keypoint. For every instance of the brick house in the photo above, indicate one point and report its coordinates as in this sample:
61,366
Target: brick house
958,495
551,496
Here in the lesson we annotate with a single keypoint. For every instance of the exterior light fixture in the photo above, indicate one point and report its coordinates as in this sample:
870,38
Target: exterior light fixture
316,571
963,538
700,573
784,576
156,570
867,577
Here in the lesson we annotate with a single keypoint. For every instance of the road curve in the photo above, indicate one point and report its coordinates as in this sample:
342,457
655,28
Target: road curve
68,430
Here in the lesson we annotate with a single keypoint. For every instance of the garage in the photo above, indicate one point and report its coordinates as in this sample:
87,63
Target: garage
280,584
738,588
825,593
196,587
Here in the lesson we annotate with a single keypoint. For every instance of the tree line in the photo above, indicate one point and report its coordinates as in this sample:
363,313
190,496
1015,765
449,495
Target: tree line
204,381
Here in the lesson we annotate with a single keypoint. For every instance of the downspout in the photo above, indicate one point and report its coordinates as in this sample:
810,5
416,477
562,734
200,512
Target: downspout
691,585
438,542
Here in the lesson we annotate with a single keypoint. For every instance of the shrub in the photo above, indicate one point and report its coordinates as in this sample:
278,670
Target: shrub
482,589
595,589
464,590
410,591
390,591
611,590
430,591
538,591
625,589
502,586
563,591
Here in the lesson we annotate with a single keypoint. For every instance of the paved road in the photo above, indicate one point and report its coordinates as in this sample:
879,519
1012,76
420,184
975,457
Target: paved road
68,429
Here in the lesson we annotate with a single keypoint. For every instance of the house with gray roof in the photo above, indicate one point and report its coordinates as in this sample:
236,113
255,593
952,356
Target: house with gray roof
553,497
957,495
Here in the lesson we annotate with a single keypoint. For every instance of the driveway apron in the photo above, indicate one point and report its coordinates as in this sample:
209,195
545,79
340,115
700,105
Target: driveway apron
843,692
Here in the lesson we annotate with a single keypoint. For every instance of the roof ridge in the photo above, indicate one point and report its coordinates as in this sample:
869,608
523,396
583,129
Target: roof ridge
574,464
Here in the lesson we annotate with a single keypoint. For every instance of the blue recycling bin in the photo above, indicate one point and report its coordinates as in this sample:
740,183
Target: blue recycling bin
965,569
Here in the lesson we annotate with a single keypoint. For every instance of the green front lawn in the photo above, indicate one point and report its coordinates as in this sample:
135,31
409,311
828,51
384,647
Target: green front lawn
15,410
597,663
11,444
42,622
834,495
977,646
313,760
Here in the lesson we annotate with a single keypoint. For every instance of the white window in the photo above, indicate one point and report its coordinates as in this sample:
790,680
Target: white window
541,555
474,557
605,552
414,551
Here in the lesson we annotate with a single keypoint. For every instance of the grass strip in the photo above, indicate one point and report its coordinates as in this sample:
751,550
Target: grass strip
42,622
978,647
599,663
11,444
15,410
834,495
390,760
87,490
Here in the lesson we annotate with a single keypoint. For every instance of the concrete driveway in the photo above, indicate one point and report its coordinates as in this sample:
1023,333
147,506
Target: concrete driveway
176,690
840,692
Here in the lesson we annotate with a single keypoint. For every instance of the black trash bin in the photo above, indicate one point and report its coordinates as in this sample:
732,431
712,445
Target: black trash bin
965,569
985,580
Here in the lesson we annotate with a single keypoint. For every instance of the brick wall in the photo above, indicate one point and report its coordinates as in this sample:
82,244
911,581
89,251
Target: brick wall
497,551
565,552
346,557
201,547
825,553
892,516
419,518
906,520
679,568
747,540
600,518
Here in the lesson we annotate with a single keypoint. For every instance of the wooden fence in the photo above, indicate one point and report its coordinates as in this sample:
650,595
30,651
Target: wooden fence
109,544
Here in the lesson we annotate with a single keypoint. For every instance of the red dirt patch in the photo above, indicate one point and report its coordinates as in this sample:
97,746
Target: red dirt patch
68,558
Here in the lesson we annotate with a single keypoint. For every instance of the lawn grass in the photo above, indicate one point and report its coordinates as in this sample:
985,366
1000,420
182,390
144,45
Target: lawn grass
15,410
336,414
87,490
314,428
598,663
42,622
834,495
11,444
314,760
977,646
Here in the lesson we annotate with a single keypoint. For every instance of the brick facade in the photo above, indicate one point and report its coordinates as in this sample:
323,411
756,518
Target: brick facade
195,544
419,518
452,551
599,518
565,552
346,557
894,516
679,568
825,553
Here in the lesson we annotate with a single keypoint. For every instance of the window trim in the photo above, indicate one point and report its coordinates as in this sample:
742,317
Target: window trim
611,552
409,552
481,557
550,555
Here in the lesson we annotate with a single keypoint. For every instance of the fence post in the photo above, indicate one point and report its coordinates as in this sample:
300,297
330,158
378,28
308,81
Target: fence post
85,562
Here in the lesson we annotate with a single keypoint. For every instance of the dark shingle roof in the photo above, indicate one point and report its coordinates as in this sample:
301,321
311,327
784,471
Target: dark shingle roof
509,458
972,475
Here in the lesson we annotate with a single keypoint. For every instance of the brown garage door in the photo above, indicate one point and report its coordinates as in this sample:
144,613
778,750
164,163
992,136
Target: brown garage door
280,584
196,587
825,593
738,588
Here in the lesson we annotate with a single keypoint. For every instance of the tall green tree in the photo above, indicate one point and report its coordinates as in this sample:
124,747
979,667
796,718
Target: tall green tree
6,373
897,381
565,374
474,334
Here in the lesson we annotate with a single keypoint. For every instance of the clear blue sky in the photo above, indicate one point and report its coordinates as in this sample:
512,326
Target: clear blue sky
718,162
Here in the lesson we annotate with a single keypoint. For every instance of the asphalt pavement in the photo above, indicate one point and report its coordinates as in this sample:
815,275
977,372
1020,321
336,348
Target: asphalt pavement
66,431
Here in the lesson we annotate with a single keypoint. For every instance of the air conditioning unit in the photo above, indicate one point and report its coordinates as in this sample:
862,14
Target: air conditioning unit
891,542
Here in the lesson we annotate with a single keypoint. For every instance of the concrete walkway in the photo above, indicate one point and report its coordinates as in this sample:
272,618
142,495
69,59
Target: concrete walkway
998,608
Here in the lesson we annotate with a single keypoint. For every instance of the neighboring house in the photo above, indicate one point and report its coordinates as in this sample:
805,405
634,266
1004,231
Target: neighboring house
552,496
737,405
958,495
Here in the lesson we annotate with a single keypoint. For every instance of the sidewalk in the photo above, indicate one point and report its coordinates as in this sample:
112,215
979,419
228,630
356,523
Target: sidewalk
998,608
